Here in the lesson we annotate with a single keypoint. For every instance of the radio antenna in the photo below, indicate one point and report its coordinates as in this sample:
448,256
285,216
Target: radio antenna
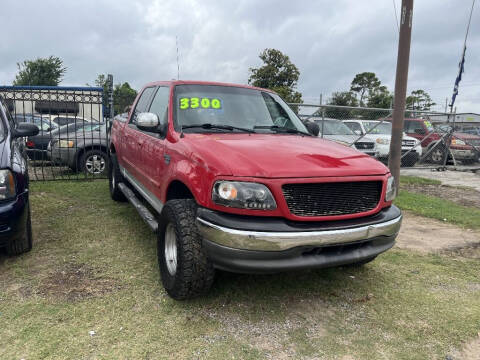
178,62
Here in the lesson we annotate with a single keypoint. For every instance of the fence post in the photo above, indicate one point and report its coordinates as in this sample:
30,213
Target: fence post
110,95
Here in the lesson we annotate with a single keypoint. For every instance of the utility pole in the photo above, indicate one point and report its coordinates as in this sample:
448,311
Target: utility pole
400,89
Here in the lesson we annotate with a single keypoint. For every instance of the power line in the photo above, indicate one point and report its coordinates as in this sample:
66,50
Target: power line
178,62
396,16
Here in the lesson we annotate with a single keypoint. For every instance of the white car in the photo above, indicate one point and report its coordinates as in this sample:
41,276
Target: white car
336,131
381,133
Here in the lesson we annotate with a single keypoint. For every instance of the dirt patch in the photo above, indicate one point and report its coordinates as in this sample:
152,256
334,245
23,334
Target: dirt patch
428,235
470,351
460,195
471,251
274,338
76,282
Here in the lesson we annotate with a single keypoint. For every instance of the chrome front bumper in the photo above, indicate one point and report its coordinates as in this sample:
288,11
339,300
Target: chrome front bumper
279,241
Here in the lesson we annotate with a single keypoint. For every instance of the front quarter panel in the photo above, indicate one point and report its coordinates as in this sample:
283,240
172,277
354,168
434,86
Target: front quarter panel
190,169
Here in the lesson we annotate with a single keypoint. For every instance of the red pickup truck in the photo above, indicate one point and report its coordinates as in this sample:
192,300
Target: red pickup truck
230,178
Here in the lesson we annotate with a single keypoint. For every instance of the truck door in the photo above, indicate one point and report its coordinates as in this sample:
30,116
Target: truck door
133,143
155,161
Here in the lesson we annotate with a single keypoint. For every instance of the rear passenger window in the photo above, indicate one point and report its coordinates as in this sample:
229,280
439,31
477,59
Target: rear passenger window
142,103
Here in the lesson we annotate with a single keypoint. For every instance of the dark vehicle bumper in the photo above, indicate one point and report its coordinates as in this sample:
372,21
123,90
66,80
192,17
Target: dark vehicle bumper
37,154
13,219
267,245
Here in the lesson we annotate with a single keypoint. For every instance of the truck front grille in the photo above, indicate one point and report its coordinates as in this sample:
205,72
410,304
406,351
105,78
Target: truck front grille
409,143
334,198
364,145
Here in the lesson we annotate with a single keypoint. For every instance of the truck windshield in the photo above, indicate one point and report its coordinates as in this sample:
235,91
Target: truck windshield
231,106
383,128
334,127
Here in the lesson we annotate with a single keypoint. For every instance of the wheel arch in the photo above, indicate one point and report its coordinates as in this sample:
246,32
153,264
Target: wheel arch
178,190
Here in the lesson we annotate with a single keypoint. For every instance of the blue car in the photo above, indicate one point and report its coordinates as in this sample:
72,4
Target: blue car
15,223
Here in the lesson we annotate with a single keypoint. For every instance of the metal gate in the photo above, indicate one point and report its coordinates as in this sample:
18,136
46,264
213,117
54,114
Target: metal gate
73,123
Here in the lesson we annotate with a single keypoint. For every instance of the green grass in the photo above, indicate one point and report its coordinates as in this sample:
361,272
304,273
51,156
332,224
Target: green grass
415,180
93,268
440,209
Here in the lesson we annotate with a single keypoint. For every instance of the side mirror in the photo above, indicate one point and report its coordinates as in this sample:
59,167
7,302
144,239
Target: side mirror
312,127
147,121
24,129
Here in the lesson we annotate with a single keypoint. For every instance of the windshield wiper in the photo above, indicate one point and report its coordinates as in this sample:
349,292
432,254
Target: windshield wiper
217,126
279,129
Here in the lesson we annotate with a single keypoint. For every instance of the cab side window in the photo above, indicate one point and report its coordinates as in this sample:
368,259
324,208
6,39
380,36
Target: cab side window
142,104
160,102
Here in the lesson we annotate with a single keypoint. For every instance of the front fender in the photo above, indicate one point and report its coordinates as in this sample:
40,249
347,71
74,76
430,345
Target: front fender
197,178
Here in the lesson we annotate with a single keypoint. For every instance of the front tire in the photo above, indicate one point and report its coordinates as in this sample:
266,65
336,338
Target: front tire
185,270
114,178
24,243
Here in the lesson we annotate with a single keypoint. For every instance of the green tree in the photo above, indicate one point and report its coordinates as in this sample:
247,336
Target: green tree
364,85
123,96
419,100
278,74
341,98
42,71
380,98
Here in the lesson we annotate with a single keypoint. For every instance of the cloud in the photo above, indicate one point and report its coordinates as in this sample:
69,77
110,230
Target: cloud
329,41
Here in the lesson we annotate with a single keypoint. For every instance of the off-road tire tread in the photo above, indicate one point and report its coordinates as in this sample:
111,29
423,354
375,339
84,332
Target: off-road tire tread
195,273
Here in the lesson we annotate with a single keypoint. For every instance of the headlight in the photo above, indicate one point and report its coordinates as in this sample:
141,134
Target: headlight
458,142
7,185
383,141
391,191
244,195
65,143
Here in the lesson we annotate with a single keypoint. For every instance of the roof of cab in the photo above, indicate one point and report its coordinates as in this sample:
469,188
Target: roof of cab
195,82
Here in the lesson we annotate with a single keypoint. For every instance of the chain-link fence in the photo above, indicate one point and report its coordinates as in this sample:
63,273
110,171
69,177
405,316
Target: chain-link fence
430,139
73,137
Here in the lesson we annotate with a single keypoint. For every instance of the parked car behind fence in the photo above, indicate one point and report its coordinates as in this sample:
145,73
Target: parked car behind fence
381,133
84,150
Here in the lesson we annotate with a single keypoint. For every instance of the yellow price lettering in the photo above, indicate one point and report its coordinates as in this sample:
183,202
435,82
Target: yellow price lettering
205,103
216,104
184,103
194,102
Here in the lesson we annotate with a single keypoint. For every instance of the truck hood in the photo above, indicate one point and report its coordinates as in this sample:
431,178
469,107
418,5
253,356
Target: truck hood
280,156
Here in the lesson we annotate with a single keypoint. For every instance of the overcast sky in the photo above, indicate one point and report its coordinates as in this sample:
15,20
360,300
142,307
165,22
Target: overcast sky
329,41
